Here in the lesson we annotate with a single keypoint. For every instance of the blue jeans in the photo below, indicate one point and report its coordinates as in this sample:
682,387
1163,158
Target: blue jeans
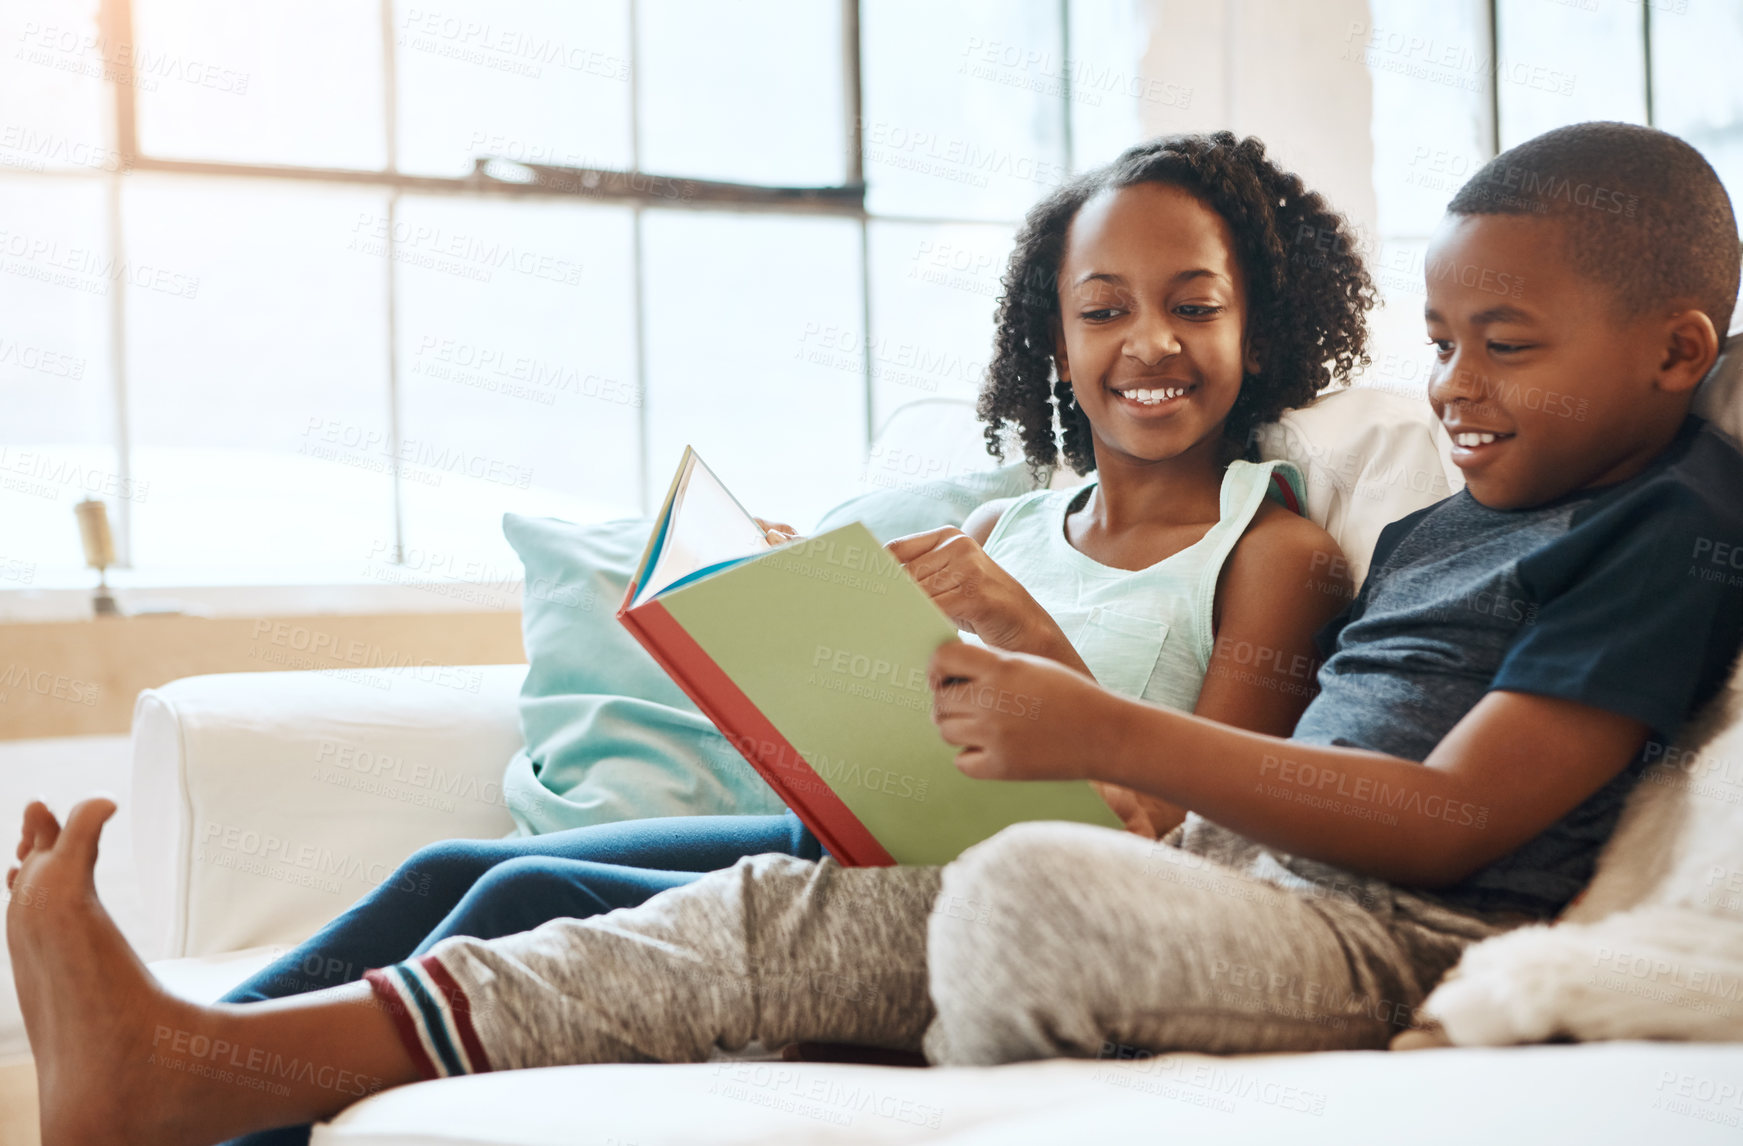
491,888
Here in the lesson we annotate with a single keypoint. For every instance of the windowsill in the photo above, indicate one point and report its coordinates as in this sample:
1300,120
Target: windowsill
50,605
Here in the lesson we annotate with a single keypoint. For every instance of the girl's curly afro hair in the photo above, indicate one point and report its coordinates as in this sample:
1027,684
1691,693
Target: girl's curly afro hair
1308,293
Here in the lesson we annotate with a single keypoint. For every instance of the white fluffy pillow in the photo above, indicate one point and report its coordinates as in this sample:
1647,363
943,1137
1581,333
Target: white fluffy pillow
1654,947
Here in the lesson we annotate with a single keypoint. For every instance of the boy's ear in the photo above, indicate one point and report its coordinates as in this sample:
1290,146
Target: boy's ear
1691,345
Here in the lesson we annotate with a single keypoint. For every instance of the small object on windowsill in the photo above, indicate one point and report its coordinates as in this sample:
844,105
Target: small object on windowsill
99,546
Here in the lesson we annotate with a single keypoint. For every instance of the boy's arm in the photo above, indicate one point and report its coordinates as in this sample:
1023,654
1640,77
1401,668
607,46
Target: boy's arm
1513,766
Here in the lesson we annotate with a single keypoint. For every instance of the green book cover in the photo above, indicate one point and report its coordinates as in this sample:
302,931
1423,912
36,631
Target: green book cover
829,638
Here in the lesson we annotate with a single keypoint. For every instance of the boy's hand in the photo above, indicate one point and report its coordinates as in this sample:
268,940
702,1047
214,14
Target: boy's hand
1020,717
972,589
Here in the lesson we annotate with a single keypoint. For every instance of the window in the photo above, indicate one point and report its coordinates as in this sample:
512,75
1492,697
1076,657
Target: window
1457,82
314,290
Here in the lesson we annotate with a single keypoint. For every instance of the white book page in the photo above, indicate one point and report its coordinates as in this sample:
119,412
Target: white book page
707,526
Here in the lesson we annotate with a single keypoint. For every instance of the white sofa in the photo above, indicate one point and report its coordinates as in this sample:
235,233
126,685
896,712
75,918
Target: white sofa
265,802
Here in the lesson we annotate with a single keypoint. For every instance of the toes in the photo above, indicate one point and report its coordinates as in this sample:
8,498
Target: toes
41,829
84,825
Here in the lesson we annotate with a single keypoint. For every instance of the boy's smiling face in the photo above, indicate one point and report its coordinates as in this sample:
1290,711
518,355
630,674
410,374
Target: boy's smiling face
1543,381
1152,314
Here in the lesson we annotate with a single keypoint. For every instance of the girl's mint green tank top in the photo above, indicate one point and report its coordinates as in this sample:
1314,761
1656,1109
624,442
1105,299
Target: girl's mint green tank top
1146,632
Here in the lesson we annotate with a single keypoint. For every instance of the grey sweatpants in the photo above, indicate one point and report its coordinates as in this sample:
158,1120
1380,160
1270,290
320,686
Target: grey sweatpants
1049,939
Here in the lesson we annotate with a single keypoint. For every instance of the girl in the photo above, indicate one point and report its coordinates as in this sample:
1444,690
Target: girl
1156,311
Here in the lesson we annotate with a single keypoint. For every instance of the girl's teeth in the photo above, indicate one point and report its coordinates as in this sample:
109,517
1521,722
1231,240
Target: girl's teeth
1473,439
1151,397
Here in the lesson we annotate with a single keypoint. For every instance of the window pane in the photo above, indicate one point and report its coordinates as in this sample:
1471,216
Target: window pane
54,311
1562,64
256,356
270,81
1397,334
1431,93
960,121
753,335
530,81
53,103
749,92
516,375
1110,93
1696,45
934,289
1431,69
57,417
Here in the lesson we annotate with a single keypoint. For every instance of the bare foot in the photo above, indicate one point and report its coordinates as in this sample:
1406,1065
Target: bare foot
119,1059
91,1009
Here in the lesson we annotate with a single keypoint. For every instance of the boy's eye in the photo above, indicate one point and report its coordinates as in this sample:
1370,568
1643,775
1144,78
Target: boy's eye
1441,346
1508,347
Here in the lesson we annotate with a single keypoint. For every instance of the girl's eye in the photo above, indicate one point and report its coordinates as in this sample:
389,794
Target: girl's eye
1194,310
1101,315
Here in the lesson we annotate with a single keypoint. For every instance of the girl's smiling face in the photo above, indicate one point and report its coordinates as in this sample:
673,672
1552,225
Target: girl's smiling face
1152,321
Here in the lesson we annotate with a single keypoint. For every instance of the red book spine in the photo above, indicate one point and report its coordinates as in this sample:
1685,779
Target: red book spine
745,726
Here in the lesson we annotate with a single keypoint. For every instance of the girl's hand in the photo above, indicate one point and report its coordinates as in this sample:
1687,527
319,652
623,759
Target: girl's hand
972,589
1137,811
777,532
1021,717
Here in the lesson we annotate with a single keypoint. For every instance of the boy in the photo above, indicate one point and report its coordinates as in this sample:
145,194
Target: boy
1481,717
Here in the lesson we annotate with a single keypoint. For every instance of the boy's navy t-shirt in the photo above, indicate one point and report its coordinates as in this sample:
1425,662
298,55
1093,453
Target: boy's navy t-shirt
1627,598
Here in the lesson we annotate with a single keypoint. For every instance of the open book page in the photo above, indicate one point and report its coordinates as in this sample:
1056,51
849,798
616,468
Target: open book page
706,527
815,654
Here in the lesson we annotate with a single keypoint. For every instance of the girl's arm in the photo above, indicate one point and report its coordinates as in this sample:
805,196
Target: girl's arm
1285,579
1513,766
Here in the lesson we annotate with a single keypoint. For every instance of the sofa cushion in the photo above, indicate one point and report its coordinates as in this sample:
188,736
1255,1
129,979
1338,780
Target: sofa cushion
608,736
1368,457
1658,1092
911,504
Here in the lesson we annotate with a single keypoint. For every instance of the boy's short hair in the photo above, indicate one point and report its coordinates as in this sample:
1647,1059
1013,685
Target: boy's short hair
1643,212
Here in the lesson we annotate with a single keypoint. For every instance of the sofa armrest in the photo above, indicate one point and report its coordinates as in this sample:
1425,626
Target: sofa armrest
264,803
